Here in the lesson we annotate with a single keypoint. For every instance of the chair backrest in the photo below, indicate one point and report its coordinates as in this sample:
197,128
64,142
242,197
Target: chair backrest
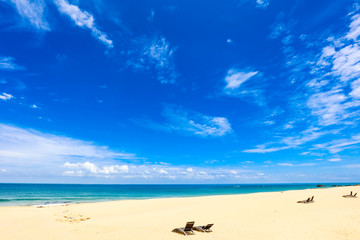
189,226
208,226
354,195
312,198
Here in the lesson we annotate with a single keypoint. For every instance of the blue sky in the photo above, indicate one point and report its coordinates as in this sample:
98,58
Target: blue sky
238,91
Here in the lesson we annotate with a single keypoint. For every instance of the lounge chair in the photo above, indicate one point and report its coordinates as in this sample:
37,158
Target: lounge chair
309,200
204,228
188,229
351,195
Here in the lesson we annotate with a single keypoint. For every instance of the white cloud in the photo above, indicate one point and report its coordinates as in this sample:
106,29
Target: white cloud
33,154
93,169
21,147
354,31
258,3
339,145
34,106
236,77
296,165
33,12
83,19
6,96
262,3
285,164
334,160
182,120
330,106
8,63
336,84
154,53
306,136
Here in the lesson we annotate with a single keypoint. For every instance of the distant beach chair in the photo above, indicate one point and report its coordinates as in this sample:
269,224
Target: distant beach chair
309,200
206,228
188,229
350,196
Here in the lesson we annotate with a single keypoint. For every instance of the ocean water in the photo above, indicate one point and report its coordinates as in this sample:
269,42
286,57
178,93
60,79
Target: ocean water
51,194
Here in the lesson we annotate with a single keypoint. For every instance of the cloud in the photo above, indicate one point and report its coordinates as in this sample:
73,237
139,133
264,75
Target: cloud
236,77
339,145
335,88
35,155
306,136
21,147
331,106
153,171
258,3
244,83
33,12
83,19
296,165
334,160
6,96
354,31
181,120
262,3
154,53
8,63
92,168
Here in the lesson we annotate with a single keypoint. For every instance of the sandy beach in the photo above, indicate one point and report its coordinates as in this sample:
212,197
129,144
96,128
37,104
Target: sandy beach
256,216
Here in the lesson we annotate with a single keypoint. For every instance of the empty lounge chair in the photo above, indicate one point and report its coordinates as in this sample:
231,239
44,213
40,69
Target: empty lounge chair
309,200
204,228
188,229
350,196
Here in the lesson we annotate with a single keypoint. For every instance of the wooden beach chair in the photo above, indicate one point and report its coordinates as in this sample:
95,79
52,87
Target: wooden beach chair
206,228
350,196
309,200
188,229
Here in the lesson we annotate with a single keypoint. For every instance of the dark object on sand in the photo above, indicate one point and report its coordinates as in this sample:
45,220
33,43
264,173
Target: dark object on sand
186,230
309,200
351,195
204,228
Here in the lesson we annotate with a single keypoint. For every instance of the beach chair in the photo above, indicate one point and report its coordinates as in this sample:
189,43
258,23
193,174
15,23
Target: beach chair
188,229
350,196
309,200
204,228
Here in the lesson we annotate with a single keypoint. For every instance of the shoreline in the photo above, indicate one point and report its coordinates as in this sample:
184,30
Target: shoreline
264,215
59,201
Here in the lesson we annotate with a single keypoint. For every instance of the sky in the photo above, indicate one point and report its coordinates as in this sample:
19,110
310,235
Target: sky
235,91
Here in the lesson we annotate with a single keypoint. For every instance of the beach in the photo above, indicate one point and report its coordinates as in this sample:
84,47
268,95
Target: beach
267,215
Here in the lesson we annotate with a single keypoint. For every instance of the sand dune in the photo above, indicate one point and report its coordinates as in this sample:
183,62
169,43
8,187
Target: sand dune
268,216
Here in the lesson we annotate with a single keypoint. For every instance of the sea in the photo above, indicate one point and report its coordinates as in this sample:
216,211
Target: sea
58,194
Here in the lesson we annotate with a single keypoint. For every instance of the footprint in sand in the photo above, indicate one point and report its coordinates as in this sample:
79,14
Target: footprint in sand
67,216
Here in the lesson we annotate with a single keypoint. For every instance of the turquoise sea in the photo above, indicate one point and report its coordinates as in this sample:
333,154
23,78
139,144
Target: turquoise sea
49,194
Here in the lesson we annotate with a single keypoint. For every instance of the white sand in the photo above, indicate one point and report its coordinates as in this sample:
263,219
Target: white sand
264,216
